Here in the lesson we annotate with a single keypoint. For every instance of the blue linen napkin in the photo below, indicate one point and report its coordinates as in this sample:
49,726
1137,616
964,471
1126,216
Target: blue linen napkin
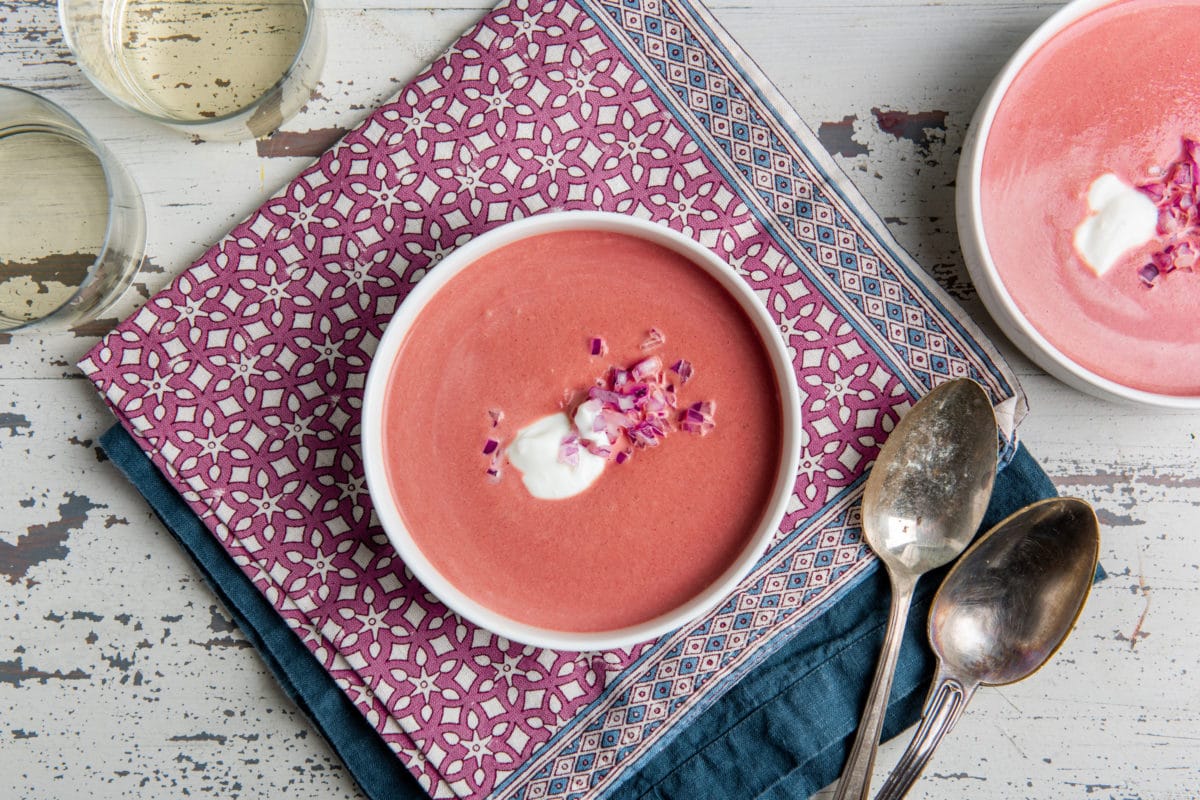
783,732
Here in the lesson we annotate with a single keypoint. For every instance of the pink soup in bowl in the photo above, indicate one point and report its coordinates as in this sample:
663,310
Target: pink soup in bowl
1079,199
581,430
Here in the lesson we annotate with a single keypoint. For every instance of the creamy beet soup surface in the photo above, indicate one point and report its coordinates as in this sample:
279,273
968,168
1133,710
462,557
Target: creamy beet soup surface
513,332
1115,92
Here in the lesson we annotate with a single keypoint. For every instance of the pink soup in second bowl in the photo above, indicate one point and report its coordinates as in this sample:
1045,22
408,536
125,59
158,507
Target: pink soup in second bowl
1116,92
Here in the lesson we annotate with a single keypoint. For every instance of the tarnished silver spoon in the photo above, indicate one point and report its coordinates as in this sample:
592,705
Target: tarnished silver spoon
922,504
1003,610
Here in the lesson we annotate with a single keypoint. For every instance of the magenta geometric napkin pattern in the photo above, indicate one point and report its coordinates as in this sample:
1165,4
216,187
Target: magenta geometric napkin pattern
243,380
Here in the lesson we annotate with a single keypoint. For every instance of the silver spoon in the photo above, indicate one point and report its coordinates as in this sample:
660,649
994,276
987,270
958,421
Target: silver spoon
1004,609
922,504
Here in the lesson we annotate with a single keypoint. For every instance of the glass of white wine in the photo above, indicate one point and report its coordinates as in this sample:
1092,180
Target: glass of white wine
221,69
72,228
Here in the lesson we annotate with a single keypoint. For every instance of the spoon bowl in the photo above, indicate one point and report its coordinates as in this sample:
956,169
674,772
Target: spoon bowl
1002,612
1009,604
922,504
932,478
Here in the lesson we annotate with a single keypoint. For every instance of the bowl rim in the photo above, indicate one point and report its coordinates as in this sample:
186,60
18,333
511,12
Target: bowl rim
973,239
372,430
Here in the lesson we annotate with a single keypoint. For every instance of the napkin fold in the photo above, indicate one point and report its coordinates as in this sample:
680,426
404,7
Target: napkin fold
242,381
783,732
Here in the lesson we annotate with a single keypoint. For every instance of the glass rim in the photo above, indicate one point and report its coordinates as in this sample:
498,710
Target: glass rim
310,23
105,160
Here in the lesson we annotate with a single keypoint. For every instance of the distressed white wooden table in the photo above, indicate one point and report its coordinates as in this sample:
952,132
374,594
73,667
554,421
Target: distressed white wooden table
121,677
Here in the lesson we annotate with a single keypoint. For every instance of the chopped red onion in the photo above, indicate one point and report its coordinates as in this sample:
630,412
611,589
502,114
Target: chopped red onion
1180,175
1148,274
1176,193
633,407
646,368
493,472
491,447
646,434
1191,149
698,418
568,450
614,422
654,340
1184,254
683,369
597,449
1155,191
590,407
606,397
1162,261
639,405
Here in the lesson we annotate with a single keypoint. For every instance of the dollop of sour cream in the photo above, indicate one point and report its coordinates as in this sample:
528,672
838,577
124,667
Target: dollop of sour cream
1120,219
534,452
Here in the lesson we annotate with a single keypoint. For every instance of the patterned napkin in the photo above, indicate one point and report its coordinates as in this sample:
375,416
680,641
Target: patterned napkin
243,380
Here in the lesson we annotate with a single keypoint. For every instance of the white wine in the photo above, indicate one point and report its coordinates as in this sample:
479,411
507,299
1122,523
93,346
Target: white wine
72,226
226,69
196,60
54,210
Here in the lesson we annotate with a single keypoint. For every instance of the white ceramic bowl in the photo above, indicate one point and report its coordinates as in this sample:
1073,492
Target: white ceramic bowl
374,457
979,262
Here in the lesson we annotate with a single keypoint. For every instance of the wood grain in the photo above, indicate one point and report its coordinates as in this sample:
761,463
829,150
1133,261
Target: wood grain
121,677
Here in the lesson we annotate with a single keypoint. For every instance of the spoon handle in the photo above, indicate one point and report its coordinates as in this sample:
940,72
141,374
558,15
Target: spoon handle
855,783
945,705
